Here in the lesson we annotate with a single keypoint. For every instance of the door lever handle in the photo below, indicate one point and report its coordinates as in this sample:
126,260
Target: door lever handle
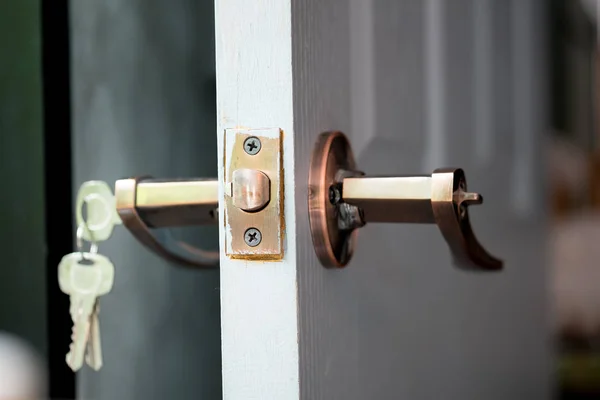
144,204
342,199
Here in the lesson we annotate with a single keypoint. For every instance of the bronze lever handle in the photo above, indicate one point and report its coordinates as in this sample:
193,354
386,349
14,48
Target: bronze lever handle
145,203
341,200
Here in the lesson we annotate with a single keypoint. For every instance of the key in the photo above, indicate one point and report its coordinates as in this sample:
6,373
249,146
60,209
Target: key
94,350
81,316
86,281
85,277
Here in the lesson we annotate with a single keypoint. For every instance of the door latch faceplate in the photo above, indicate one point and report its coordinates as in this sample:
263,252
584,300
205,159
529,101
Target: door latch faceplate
253,204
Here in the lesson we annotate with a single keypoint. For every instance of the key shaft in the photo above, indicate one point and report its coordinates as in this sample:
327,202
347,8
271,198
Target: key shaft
81,311
94,347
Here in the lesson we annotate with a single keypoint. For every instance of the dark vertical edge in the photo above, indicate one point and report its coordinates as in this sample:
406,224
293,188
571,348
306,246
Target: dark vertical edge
58,186
557,32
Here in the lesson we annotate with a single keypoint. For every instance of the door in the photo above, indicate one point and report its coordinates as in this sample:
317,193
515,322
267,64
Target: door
143,102
415,85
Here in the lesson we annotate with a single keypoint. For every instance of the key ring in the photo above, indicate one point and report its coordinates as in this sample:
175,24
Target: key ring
101,212
80,233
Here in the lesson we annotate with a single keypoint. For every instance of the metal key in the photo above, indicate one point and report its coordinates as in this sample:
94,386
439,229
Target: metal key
93,356
85,277
94,349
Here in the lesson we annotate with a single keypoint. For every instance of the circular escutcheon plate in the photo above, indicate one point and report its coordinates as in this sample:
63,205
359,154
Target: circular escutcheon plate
332,153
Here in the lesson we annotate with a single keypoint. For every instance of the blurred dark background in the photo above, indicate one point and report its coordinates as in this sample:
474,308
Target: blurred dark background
48,48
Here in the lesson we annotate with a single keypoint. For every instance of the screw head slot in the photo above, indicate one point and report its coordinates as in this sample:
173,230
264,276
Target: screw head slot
252,145
252,237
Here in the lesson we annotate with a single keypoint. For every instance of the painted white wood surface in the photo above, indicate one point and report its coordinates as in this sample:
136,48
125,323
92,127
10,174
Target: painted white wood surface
399,322
258,300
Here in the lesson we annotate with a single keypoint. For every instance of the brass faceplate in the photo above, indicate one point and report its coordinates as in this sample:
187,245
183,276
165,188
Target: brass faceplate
269,220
